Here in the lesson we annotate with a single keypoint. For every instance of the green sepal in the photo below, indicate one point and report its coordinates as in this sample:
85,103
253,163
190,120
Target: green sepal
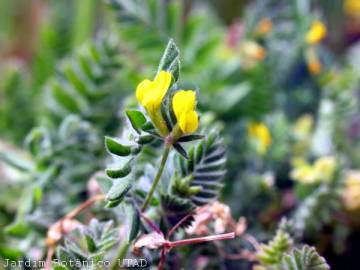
189,138
180,150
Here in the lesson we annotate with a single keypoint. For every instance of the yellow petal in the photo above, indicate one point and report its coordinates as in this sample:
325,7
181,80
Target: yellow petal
162,82
183,101
142,90
316,33
261,134
188,122
151,93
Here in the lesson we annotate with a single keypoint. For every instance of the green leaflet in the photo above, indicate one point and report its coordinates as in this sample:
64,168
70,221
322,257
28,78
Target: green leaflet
136,118
117,148
305,258
206,163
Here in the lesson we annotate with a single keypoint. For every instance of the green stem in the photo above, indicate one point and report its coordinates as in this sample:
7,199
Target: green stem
157,177
120,255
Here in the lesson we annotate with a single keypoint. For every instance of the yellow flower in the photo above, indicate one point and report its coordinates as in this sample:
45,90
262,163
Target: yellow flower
303,126
253,50
325,167
264,26
352,7
303,172
184,103
151,93
302,134
323,170
261,134
351,195
316,33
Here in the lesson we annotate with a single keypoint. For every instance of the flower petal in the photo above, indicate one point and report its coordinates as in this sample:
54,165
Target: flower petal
316,33
188,122
183,101
143,89
162,82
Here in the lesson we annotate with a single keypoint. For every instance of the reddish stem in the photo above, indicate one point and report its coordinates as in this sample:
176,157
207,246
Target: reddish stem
177,225
224,236
162,259
151,223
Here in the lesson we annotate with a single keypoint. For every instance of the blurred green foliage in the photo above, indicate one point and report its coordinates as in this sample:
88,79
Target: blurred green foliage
68,70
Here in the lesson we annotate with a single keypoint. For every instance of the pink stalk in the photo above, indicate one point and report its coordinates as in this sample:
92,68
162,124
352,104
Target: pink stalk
224,236
151,223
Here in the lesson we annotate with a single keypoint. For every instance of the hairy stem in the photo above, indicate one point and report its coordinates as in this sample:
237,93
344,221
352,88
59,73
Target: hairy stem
157,177
116,263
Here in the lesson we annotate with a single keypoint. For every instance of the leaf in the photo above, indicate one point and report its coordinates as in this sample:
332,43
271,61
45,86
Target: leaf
65,256
10,253
133,221
91,245
18,229
119,173
64,98
304,259
180,150
16,161
272,253
117,148
88,243
206,163
38,141
170,60
145,139
79,84
322,203
136,118
59,267
192,137
118,191
147,126
176,208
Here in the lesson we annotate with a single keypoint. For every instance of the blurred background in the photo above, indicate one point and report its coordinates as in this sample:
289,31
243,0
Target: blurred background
278,78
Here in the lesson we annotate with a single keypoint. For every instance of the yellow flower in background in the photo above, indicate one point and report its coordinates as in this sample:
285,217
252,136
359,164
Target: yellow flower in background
351,195
151,93
302,133
325,167
316,33
313,62
314,66
303,172
303,126
184,102
261,134
322,170
352,7
264,26
253,50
